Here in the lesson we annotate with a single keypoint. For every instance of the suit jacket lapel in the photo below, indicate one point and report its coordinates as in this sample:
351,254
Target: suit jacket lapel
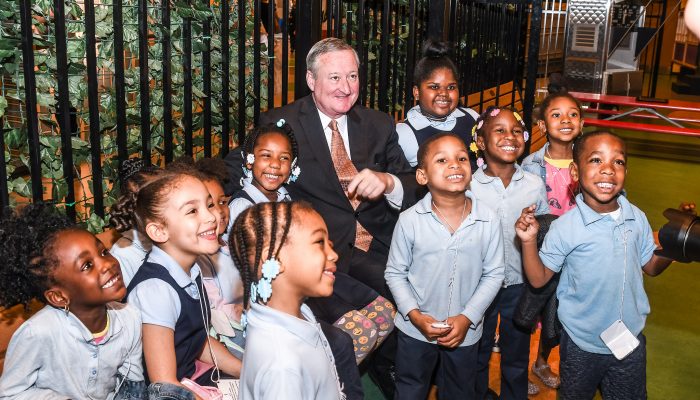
358,140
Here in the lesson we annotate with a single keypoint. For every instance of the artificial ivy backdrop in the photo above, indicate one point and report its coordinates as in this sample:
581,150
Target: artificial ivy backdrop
13,113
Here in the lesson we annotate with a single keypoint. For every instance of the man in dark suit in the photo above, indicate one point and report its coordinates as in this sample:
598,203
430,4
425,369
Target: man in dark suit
353,170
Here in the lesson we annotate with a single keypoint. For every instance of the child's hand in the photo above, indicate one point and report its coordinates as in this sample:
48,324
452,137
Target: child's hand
460,326
688,208
526,226
424,324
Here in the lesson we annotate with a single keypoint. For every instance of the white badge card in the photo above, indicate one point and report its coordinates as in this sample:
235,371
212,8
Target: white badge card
619,340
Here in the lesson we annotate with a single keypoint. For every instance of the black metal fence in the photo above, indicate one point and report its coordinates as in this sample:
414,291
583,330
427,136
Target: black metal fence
160,79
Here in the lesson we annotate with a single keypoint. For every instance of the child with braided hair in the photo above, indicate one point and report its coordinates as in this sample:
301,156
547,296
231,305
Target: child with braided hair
506,188
284,256
174,211
83,344
270,154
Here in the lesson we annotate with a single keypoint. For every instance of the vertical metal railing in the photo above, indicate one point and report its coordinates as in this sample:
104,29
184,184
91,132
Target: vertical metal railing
192,77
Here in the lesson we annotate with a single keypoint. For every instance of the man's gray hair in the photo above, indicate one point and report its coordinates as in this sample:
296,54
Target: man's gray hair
327,45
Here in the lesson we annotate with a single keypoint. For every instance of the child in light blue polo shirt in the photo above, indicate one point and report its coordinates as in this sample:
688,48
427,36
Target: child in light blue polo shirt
500,183
601,248
445,266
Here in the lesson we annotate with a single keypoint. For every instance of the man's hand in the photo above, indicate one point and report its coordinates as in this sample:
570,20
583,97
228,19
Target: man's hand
370,185
526,227
460,326
424,324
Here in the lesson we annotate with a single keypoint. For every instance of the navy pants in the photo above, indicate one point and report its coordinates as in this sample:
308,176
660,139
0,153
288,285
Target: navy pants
416,361
514,343
582,373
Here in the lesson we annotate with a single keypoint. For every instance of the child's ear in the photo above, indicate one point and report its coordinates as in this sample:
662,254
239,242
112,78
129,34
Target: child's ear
249,166
421,177
542,126
480,143
57,297
573,171
157,232
416,92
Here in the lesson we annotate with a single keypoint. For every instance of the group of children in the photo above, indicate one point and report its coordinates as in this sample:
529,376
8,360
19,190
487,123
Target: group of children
211,287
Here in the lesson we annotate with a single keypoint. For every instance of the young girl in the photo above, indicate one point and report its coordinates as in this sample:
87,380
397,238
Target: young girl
220,275
284,255
131,248
560,118
270,154
174,211
437,91
82,344
601,247
445,267
502,184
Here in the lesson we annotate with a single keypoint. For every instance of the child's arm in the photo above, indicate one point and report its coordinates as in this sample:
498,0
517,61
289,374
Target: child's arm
159,353
657,264
396,276
23,360
526,228
226,361
492,275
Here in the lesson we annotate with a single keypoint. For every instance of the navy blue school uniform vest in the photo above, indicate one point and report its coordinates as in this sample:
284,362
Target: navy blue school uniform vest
190,331
463,128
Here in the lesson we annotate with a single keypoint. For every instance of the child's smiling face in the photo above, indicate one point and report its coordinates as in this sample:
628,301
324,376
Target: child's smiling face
501,139
87,273
600,167
562,120
438,95
308,257
445,166
272,165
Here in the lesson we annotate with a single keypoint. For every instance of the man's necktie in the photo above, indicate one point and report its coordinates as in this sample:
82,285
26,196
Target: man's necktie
346,171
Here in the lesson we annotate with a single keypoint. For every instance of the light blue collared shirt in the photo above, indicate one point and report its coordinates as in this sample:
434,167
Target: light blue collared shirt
287,357
407,139
237,206
54,356
595,255
157,300
424,257
524,190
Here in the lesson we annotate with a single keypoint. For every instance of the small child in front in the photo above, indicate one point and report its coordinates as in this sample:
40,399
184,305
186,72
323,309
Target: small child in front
445,267
284,255
599,247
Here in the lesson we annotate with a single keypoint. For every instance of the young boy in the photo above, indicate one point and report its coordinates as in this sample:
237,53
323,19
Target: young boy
445,266
599,248
506,188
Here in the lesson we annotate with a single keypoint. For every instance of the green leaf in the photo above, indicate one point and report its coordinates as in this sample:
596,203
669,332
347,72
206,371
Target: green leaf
3,105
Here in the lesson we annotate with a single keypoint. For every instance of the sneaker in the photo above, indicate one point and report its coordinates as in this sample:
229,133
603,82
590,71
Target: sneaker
549,378
532,388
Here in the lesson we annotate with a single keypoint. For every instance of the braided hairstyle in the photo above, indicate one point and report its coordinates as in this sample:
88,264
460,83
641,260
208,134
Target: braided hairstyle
436,55
262,225
281,128
134,174
27,241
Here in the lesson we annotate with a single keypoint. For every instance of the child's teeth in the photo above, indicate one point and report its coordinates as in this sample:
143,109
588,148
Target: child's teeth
110,283
605,185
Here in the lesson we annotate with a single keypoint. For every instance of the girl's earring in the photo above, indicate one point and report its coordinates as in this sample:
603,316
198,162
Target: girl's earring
66,308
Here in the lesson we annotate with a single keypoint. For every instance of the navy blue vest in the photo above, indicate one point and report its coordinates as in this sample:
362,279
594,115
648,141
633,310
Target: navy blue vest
190,332
463,128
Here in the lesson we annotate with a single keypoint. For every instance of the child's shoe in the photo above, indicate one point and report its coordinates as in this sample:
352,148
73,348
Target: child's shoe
546,375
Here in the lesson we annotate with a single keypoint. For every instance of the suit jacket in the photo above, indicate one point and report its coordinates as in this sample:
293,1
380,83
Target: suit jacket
373,144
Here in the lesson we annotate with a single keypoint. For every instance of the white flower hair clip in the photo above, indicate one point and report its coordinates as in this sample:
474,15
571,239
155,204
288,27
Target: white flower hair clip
281,123
296,171
250,158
